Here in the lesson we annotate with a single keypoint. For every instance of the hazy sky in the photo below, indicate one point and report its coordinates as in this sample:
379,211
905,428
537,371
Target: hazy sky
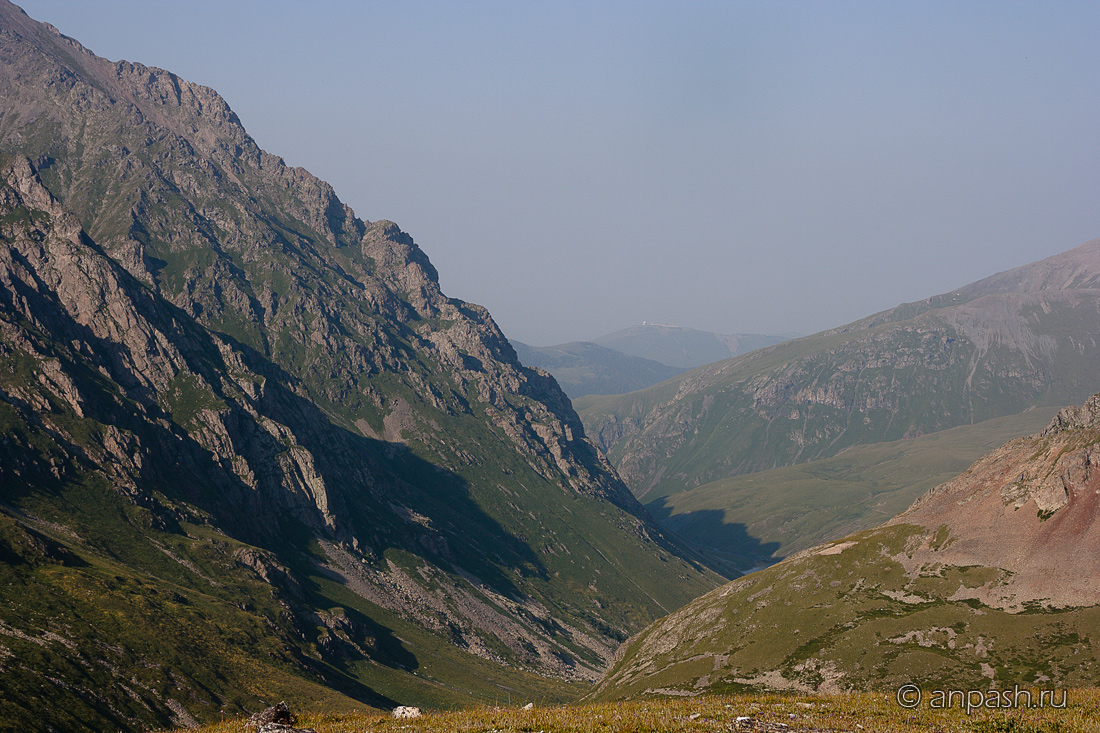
756,167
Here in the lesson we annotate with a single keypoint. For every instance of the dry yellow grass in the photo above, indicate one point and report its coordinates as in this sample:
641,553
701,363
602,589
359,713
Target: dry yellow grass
871,712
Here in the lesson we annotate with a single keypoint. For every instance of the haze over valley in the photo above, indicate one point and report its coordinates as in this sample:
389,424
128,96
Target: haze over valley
253,447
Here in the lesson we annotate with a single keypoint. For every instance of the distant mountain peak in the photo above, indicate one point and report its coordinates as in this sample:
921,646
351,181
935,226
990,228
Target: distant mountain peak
682,347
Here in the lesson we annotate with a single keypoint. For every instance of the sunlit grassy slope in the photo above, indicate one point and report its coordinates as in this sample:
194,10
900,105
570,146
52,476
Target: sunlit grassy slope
777,512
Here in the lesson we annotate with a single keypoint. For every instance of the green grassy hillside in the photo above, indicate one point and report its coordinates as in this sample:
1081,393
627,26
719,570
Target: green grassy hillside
853,618
989,580
197,630
770,514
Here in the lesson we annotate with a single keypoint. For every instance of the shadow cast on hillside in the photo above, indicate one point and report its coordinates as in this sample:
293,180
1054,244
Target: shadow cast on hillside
254,460
386,496
709,529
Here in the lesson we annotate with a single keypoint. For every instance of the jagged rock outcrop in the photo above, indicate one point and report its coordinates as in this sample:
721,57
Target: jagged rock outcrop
278,713
220,387
275,719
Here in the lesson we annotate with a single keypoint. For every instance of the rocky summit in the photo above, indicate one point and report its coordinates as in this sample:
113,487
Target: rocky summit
249,451
990,579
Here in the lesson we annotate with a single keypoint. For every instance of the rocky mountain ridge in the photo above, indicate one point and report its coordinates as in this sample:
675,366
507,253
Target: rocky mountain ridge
1029,509
1017,340
220,388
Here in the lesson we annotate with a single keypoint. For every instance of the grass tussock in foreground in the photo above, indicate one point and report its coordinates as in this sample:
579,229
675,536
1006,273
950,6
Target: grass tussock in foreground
871,712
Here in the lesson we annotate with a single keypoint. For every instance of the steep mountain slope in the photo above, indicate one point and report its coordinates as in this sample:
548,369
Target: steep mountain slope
584,368
1024,338
253,424
683,348
992,578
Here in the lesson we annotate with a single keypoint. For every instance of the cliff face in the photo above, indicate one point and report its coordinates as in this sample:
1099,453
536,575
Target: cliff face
192,328
1019,339
989,579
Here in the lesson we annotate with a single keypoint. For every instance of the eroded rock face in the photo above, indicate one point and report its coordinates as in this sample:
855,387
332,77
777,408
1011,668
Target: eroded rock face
1029,509
189,323
57,280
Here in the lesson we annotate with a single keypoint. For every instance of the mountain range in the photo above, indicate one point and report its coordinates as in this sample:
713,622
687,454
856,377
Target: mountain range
250,450
685,348
1021,340
636,357
583,368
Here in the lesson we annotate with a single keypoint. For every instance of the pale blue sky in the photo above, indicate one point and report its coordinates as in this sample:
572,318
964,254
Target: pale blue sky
735,167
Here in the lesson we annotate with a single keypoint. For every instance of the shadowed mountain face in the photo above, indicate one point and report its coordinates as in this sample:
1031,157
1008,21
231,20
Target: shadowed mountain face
250,450
991,579
1020,339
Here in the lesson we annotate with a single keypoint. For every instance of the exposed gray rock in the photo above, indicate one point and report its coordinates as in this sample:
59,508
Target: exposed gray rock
406,711
1076,417
278,714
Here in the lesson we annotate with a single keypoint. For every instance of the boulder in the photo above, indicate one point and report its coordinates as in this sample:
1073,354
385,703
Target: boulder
279,714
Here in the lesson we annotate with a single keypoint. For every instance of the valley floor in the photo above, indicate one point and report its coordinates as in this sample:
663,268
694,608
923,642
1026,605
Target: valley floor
1072,711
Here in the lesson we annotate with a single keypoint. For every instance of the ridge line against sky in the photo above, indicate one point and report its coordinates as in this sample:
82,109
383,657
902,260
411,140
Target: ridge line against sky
748,167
